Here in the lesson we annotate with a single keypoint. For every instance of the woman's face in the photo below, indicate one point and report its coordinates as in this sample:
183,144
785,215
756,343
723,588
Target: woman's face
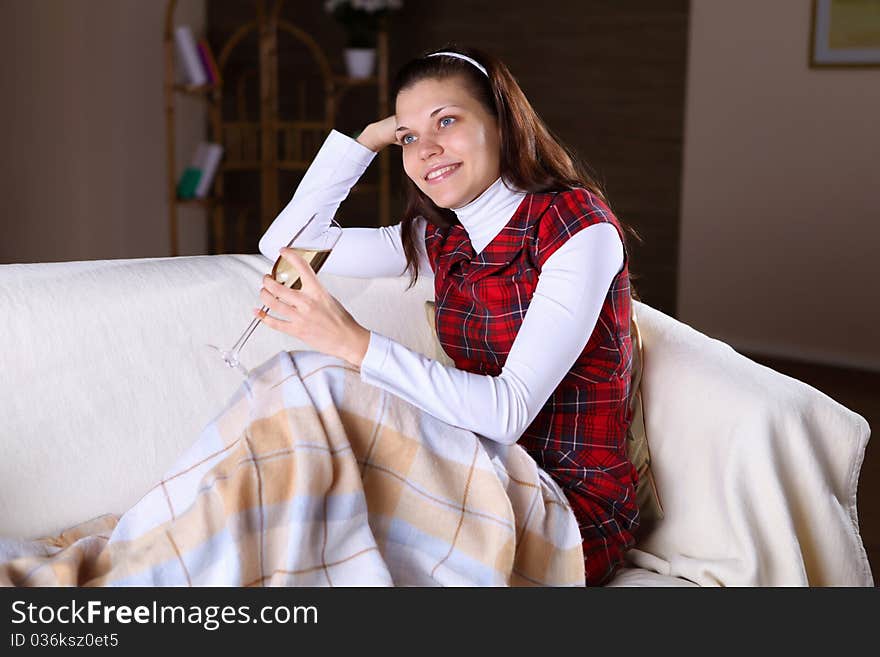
451,144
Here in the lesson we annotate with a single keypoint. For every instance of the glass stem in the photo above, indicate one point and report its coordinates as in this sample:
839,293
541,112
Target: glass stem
236,348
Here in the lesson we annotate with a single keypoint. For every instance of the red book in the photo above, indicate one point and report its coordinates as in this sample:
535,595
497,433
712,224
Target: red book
208,61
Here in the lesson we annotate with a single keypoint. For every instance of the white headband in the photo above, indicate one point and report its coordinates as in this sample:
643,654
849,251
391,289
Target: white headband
464,57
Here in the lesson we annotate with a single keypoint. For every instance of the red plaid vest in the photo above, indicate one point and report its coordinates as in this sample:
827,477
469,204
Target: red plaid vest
579,436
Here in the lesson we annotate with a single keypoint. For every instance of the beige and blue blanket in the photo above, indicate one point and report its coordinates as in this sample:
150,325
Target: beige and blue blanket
310,477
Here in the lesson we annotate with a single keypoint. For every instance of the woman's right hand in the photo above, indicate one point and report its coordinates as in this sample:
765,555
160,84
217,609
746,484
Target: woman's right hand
380,134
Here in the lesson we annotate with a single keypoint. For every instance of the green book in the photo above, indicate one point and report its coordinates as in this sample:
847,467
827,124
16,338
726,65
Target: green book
186,187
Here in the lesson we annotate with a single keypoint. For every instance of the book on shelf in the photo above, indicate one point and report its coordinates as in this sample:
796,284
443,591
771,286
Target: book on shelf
208,62
191,65
195,182
186,186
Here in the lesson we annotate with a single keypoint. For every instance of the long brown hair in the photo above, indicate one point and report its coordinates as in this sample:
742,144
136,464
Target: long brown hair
533,159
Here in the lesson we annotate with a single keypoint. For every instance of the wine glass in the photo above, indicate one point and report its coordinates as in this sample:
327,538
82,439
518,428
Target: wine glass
314,248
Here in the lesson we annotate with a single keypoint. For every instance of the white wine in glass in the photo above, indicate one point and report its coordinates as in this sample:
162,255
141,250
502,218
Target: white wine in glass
286,274
314,250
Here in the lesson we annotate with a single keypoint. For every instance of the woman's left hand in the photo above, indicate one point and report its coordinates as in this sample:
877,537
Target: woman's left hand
312,315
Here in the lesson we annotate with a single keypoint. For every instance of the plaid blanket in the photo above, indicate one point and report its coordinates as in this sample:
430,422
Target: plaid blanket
310,477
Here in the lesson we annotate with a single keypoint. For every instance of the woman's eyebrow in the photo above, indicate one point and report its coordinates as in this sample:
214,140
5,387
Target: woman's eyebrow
439,109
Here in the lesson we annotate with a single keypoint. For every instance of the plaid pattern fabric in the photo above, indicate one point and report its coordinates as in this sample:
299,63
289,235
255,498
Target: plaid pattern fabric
311,477
579,436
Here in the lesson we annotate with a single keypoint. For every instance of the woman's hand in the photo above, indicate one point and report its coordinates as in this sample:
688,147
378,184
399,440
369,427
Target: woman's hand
312,315
377,136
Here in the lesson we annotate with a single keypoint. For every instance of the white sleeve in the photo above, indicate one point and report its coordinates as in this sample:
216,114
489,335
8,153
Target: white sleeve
568,298
372,252
360,252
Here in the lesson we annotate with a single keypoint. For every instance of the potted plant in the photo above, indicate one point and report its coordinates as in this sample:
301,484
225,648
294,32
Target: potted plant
360,19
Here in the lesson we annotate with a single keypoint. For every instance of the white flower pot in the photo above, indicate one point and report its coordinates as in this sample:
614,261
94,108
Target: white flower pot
360,62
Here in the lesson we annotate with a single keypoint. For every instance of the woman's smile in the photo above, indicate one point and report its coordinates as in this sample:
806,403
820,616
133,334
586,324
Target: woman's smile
438,175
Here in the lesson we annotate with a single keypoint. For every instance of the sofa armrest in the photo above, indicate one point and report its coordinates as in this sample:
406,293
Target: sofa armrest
757,471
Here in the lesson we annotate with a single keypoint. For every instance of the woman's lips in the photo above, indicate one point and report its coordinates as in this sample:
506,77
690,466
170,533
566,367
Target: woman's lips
443,176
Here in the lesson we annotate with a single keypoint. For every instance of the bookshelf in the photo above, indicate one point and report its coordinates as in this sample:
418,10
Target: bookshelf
268,144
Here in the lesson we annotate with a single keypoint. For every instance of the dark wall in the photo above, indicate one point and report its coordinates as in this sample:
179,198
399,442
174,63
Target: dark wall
607,77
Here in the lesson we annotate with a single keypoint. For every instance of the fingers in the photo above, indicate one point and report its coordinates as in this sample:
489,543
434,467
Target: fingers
283,292
282,310
271,322
280,299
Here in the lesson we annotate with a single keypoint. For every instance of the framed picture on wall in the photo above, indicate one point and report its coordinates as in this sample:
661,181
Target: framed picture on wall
845,33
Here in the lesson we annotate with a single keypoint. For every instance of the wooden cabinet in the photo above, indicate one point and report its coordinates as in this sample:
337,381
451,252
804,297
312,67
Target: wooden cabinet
269,143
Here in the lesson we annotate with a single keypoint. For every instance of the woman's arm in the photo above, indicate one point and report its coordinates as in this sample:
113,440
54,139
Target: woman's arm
338,165
374,252
562,315
360,252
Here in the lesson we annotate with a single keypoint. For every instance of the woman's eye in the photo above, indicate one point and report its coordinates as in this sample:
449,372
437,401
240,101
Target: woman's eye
444,122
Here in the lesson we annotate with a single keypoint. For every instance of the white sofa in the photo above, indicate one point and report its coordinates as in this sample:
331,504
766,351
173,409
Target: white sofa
106,380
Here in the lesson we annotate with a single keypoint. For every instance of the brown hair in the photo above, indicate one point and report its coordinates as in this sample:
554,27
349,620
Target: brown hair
532,158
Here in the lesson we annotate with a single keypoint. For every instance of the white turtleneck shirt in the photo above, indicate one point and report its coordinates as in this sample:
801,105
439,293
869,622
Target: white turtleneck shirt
562,314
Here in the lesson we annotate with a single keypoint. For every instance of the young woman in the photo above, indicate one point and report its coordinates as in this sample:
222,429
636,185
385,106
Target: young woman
531,278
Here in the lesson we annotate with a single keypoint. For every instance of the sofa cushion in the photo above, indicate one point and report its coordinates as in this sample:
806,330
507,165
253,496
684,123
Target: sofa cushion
637,447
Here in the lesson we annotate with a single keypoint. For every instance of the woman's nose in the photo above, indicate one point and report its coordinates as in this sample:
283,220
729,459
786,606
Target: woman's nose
429,148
